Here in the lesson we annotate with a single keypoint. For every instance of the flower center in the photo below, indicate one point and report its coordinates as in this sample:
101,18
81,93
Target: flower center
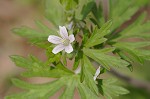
66,42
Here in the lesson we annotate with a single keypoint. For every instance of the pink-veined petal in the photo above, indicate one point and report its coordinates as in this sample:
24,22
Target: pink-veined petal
68,48
97,73
58,48
71,38
63,32
54,39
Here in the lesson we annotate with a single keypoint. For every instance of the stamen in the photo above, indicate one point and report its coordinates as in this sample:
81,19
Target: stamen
66,42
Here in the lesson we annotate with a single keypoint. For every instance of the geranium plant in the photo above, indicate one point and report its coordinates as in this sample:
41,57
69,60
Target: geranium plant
81,32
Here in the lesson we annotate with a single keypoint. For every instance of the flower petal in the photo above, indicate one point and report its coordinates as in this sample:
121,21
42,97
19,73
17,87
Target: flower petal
68,48
78,70
97,73
54,39
63,32
71,38
58,48
70,25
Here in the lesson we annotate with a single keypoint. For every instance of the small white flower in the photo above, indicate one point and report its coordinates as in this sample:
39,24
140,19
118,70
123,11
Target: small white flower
63,42
97,73
78,70
70,25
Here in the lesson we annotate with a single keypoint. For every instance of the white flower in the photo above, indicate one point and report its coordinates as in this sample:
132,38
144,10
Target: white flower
97,73
78,70
63,42
70,25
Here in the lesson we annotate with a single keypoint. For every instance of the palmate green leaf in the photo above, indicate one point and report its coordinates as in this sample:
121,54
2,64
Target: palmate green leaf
37,91
132,49
104,59
83,9
145,54
123,33
44,28
110,89
98,34
70,81
129,51
35,36
69,90
85,92
88,66
28,32
54,12
78,58
106,50
82,72
137,29
27,63
103,31
134,56
46,90
123,56
121,11
20,61
53,72
76,62
133,45
69,4
37,68
51,57
89,72
95,42
98,15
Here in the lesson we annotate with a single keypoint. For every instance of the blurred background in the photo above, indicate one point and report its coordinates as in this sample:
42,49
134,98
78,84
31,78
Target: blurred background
15,13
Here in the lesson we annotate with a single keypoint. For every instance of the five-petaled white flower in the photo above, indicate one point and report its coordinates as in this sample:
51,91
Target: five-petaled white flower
97,73
63,42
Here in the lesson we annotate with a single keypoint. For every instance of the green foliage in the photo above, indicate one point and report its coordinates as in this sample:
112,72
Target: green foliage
110,89
38,91
98,34
137,29
104,59
100,42
54,12
136,93
83,9
129,51
35,36
88,72
121,11
131,48
37,68
98,18
69,4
